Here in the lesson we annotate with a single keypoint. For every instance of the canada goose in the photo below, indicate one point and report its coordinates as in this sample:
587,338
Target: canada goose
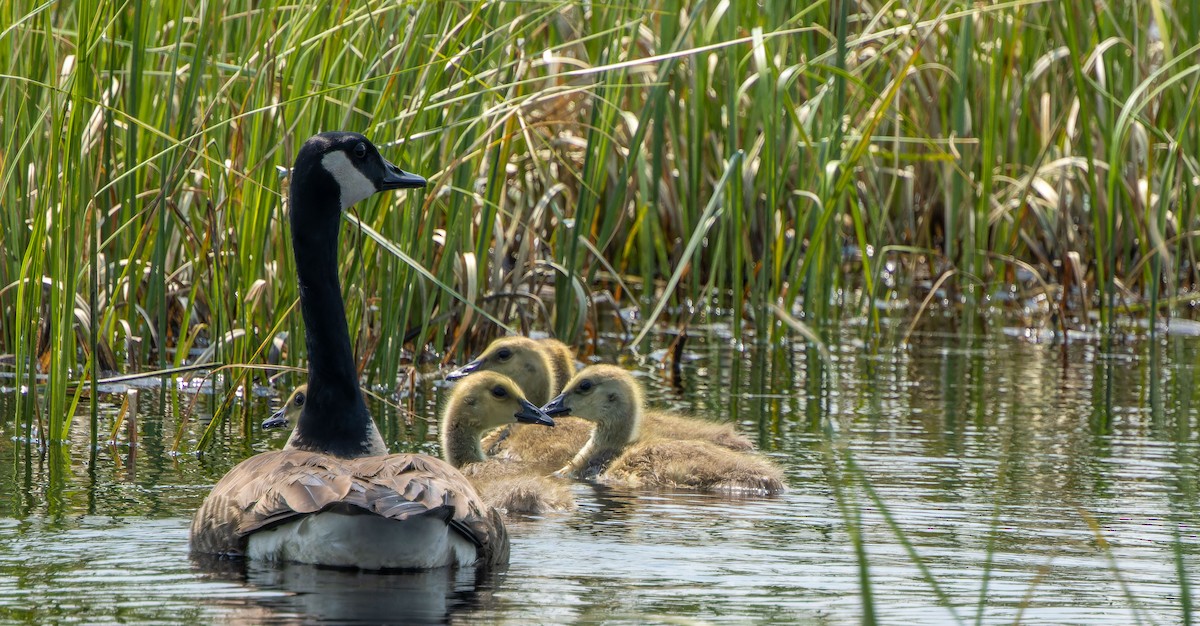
333,496
617,452
486,400
533,365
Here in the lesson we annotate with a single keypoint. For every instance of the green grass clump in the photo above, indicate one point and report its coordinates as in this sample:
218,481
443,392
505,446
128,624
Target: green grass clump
751,156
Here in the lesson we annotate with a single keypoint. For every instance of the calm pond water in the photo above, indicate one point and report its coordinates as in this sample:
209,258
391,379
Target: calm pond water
988,477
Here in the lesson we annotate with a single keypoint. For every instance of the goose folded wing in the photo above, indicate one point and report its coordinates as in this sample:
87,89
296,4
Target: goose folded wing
275,487
436,485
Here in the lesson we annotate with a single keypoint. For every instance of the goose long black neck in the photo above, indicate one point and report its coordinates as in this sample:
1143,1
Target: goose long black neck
335,418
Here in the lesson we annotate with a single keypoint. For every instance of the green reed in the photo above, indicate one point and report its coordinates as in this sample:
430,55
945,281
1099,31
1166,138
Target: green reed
574,152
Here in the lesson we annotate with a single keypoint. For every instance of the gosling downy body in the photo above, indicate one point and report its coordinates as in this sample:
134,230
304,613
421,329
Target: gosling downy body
540,368
333,496
483,401
619,452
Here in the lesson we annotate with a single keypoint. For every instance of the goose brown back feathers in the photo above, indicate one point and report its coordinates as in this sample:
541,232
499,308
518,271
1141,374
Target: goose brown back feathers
277,487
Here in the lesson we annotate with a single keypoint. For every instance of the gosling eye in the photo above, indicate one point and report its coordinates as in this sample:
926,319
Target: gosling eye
585,386
299,401
504,354
360,151
499,391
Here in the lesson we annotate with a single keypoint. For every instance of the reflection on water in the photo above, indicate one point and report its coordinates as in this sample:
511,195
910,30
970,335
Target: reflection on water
1057,484
302,594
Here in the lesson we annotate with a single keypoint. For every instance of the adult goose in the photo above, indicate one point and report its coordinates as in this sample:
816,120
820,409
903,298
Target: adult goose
618,451
333,496
486,400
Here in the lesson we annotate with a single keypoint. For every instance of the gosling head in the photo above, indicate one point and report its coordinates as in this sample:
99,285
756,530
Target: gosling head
289,412
482,402
487,400
520,358
342,168
604,394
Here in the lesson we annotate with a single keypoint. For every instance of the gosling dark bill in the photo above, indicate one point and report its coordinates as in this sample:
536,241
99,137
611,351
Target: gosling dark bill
278,419
557,406
531,414
463,371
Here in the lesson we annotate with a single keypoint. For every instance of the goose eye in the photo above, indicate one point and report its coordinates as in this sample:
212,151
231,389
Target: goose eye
299,399
499,391
360,151
585,386
504,354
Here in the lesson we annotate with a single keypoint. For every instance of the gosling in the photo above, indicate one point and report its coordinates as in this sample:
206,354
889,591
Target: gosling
487,400
618,452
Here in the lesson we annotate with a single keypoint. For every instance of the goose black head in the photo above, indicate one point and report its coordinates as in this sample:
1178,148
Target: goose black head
342,168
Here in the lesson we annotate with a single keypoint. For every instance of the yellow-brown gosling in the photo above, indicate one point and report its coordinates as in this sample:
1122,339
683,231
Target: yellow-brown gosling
289,413
333,496
618,453
533,364
487,400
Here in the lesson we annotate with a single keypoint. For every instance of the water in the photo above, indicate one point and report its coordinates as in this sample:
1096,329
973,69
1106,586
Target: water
1061,479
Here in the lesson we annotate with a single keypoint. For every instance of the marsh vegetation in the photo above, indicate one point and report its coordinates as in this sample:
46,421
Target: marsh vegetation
1028,159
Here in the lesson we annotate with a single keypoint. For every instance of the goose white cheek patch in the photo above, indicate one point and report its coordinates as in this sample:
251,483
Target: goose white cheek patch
354,186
